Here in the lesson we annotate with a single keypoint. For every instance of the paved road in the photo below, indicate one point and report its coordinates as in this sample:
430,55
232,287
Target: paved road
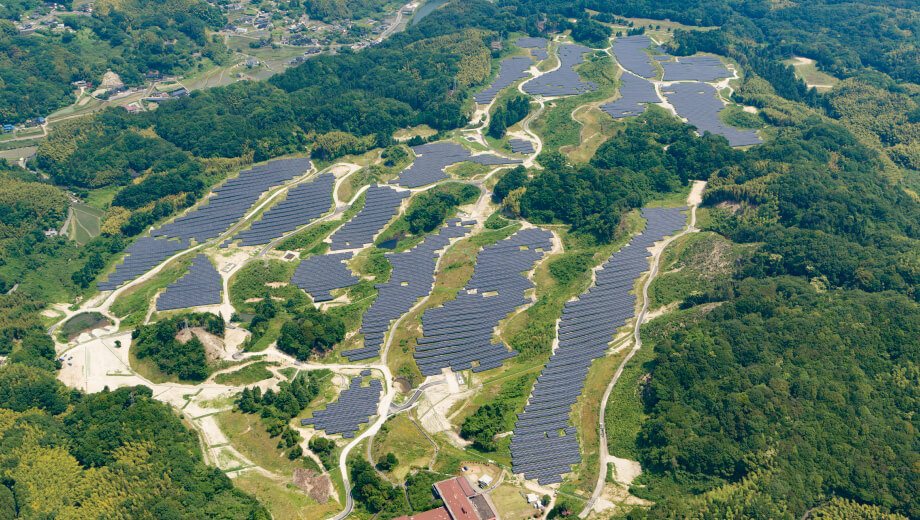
637,344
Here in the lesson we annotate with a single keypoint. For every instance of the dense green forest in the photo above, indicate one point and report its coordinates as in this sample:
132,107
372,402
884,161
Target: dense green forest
127,37
70,455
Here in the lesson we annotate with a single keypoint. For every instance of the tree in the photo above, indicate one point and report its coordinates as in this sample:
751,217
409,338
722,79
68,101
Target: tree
512,203
388,462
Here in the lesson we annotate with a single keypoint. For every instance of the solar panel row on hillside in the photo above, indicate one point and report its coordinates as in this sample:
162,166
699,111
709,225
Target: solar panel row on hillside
563,81
201,285
231,200
380,204
141,256
432,158
521,146
629,51
319,275
356,405
459,333
304,203
634,93
510,70
695,68
410,280
537,46
544,446
698,103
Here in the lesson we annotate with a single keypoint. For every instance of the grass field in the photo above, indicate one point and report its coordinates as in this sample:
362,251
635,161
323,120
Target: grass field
510,502
401,437
695,263
284,500
249,374
807,70
249,436
86,223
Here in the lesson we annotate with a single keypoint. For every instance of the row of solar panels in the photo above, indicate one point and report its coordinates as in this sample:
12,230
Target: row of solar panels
355,406
431,160
537,46
140,257
563,81
224,207
459,333
521,146
319,275
586,327
381,203
201,285
411,279
231,200
305,203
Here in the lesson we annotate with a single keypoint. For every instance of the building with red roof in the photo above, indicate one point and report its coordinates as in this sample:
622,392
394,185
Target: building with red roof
461,502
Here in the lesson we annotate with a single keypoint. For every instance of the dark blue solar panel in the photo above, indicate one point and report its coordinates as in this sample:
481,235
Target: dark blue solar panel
319,275
459,333
634,93
695,68
510,70
304,203
231,200
380,205
538,450
563,81
201,285
629,51
432,158
140,257
521,146
355,406
410,280
697,102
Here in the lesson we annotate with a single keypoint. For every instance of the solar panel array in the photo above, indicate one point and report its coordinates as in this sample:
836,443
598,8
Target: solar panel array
231,200
587,326
356,405
629,52
695,68
141,257
634,93
511,69
411,279
201,285
380,204
459,333
698,103
432,158
563,81
521,146
319,275
304,203
537,44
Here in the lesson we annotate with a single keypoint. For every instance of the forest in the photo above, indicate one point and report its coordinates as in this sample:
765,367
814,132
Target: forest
129,38
66,454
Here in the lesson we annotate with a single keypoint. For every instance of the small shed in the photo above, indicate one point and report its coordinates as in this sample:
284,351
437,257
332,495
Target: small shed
485,481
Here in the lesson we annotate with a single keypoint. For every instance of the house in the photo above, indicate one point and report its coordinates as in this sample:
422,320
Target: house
179,92
461,502
51,233
7,128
